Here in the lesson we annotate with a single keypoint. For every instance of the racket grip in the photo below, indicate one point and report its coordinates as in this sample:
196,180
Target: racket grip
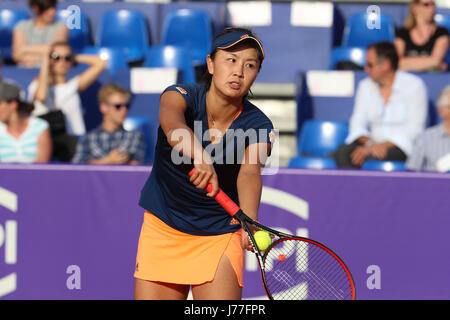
222,198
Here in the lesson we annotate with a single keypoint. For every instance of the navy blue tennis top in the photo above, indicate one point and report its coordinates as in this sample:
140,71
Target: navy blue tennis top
169,194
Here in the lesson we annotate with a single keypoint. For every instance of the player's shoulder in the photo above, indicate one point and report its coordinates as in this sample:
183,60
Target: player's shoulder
254,116
190,89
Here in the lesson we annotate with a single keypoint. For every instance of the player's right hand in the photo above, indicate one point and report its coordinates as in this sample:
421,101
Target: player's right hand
203,175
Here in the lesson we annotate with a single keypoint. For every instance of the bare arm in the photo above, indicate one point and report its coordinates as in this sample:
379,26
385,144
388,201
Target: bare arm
249,183
43,79
183,140
96,67
26,54
44,147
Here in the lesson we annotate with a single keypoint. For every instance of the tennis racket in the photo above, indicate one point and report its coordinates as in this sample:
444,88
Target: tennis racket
292,267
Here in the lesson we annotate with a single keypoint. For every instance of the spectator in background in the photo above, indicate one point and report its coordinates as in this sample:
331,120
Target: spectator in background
433,145
110,143
23,138
422,44
32,38
389,112
57,98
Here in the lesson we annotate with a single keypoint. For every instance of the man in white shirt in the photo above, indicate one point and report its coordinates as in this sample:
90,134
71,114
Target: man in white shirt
390,111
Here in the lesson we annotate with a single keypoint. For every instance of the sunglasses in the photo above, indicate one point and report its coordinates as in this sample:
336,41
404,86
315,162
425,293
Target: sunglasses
57,57
119,105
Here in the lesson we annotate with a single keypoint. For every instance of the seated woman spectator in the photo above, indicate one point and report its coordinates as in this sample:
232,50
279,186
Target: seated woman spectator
51,90
32,37
57,98
23,138
421,44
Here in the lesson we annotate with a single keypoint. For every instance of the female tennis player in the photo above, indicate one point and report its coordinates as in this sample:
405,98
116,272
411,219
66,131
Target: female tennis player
187,239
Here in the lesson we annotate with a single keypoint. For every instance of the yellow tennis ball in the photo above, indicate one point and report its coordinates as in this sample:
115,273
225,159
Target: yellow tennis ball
263,239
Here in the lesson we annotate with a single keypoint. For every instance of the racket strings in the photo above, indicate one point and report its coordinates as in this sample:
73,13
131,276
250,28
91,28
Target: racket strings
305,271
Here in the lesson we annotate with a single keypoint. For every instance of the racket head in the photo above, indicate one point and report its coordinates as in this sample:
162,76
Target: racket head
297,268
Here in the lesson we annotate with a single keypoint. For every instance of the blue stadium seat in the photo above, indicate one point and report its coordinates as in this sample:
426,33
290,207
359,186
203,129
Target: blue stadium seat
358,34
379,165
79,38
444,21
144,124
126,30
189,28
171,57
318,138
8,19
356,55
312,163
116,58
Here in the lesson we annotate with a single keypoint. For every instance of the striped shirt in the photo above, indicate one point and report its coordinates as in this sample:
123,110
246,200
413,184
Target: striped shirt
98,143
25,148
429,147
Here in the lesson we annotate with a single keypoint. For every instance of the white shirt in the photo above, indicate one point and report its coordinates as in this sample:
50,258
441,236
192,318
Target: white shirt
62,97
399,121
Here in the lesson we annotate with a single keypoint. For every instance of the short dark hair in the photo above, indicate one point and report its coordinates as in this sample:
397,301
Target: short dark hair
386,50
42,5
207,77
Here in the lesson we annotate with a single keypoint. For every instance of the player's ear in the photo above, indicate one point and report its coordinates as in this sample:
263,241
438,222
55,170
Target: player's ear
210,64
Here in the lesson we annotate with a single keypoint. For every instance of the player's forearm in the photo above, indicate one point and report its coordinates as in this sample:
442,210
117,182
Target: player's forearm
183,140
249,186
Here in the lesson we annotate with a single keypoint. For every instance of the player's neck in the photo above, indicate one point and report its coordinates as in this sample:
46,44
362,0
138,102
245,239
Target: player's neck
221,108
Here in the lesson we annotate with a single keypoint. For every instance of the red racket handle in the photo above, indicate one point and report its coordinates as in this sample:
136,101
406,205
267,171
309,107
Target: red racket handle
222,198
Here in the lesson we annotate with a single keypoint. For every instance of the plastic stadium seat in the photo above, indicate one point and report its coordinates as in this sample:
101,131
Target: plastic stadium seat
444,21
143,124
8,19
189,28
126,30
116,58
171,57
378,165
79,38
355,55
318,138
312,163
358,34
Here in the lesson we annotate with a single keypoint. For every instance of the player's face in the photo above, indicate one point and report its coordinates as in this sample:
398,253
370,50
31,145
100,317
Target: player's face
234,70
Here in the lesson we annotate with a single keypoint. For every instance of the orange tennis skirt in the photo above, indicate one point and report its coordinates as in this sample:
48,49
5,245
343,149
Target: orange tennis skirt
171,256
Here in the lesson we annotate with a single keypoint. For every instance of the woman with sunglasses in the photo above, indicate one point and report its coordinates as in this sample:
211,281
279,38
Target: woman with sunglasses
421,44
52,90
32,38
187,240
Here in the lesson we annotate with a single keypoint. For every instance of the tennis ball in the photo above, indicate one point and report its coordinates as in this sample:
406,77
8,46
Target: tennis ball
263,239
